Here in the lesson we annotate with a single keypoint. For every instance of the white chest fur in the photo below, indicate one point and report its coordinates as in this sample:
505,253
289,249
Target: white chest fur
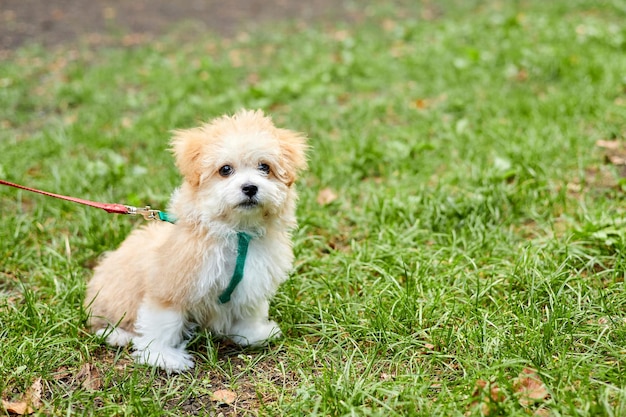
266,266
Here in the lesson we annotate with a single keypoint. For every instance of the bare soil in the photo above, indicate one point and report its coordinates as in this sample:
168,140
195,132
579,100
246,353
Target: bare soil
57,22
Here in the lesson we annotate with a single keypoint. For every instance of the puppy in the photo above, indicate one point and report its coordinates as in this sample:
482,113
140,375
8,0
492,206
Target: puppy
222,261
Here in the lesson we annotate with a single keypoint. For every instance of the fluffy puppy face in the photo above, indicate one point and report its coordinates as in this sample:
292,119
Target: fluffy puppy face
241,169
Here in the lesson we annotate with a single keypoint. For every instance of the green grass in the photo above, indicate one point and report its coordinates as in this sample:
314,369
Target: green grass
477,231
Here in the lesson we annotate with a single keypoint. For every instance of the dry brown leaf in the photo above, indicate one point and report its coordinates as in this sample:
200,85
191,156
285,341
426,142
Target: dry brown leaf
34,393
478,387
421,103
428,102
224,396
387,377
495,394
608,144
29,403
617,159
236,58
326,196
574,187
494,390
70,119
340,35
89,377
389,25
17,407
522,75
529,388
542,412
485,395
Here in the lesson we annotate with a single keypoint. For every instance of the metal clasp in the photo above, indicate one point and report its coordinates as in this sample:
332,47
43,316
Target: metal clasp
146,212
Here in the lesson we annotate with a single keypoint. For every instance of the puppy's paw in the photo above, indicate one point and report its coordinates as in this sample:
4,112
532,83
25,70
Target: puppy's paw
166,358
255,333
116,337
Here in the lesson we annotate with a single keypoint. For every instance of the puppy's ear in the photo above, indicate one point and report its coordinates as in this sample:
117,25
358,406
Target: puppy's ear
293,155
187,149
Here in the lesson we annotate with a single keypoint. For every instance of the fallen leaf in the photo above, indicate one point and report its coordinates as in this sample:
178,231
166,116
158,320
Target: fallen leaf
340,35
574,187
389,25
522,75
529,388
236,58
478,387
485,395
127,122
494,393
386,377
224,396
617,159
70,119
33,394
89,377
421,103
326,196
17,407
253,78
29,402
608,144
428,102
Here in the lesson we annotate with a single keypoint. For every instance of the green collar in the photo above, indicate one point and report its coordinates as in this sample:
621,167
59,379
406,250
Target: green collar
166,217
242,252
243,240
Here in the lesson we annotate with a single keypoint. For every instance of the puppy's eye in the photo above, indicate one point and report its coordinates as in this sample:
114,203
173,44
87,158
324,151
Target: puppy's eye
226,170
264,168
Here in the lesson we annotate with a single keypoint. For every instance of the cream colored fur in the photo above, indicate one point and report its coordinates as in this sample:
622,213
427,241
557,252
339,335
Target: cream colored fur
166,278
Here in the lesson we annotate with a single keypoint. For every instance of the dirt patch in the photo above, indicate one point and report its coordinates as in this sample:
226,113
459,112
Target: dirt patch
256,378
55,22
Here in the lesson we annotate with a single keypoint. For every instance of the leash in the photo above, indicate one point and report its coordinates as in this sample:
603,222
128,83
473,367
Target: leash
243,239
146,212
150,214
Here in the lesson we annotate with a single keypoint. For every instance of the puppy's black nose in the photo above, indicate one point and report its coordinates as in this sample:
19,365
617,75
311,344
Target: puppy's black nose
249,189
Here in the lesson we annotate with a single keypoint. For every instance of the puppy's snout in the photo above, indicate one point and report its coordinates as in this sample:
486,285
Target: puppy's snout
249,189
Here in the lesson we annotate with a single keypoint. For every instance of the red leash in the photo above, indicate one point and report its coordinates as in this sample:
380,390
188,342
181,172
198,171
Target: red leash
109,208
146,212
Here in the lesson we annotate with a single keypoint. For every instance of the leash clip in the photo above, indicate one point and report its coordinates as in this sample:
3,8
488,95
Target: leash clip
146,212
